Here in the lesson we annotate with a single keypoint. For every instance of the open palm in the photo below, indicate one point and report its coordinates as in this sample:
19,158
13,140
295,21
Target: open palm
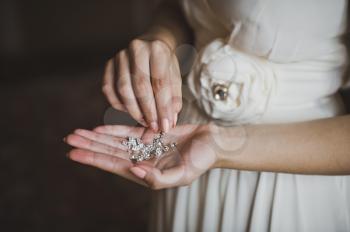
102,148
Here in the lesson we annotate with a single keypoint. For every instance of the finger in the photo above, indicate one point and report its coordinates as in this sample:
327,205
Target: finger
171,137
179,133
176,85
105,162
148,136
161,84
139,64
108,86
87,144
157,179
120,130
125,89
109,140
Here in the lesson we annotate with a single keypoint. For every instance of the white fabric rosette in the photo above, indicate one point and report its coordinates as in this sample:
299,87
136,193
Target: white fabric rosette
249,81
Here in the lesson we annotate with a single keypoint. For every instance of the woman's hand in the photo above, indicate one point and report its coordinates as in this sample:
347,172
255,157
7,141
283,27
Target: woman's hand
145,81
102,148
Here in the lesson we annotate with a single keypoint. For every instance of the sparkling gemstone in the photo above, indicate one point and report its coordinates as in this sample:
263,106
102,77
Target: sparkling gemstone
139,151
220,92
158,151
166,148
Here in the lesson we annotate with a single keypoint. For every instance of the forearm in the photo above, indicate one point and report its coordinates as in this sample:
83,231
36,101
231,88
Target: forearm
314,147
169,26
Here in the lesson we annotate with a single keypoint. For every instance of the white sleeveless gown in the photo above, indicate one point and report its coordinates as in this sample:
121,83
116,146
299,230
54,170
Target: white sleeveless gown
301,41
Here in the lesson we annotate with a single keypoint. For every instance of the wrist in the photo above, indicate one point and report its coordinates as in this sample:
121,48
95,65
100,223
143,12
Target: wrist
228,144
161,34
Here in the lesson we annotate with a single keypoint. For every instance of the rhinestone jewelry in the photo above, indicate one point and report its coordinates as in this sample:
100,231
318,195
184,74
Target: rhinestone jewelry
220,92
139,151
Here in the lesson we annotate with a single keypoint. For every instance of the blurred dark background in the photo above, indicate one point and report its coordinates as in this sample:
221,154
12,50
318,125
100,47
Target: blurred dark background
52,55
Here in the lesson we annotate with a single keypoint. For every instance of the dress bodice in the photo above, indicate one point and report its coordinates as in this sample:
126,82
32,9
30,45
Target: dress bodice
280,30
300,44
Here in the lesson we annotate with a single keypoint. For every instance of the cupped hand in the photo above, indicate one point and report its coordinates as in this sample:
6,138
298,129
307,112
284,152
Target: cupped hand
102,148
145,81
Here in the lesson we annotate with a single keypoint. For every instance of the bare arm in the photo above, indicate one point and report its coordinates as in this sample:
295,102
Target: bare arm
169,26
314,147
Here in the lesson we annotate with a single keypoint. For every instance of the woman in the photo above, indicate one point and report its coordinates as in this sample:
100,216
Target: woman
262,139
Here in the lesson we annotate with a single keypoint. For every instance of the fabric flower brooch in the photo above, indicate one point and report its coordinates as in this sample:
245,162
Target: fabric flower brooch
231,85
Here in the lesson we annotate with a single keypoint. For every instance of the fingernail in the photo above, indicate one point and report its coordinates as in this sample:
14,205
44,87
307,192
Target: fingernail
140,173
165,124
154,126
143,123
79,132
99,129
64,139
175,120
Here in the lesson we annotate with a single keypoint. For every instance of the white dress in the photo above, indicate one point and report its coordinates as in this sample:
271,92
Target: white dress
295,60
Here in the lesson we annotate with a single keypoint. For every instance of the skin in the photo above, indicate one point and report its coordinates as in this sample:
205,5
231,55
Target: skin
315,147
144,79
102,148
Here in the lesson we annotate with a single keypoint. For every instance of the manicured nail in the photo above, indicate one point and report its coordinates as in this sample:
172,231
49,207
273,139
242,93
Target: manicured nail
143,123
175,120
165,125
154,126
99,129
80,132
140,173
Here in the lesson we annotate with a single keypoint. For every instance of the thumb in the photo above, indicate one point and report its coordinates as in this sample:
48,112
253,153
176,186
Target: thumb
147,174
138,171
